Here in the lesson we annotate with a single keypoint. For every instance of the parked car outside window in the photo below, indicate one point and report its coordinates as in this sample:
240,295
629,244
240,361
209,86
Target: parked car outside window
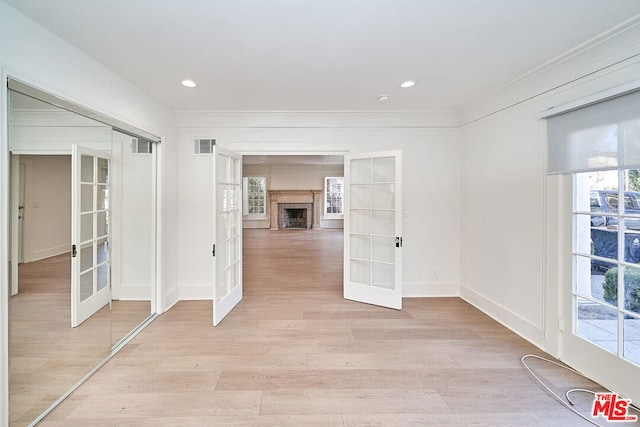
606,202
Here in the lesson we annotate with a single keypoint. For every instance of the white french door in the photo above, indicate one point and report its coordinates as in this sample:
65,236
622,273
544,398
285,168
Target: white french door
373,229
600,278
227,246
90,234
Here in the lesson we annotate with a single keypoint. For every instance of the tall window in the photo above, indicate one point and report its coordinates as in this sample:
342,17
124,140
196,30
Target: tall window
333,195
255,196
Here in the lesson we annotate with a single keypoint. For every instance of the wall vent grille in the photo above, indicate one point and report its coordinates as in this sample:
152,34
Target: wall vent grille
203,145
140,146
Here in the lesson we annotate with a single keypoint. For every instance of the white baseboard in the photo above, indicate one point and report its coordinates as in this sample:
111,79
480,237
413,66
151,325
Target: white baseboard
47,253
425,290
523,327
171,298
196,291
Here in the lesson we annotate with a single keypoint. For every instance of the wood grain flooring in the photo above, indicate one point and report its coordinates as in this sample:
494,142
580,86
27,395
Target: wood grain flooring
46,356
295,353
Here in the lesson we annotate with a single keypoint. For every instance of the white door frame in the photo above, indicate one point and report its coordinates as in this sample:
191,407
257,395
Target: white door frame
15,212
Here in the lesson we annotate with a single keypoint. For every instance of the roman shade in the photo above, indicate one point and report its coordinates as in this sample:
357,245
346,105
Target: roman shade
600,136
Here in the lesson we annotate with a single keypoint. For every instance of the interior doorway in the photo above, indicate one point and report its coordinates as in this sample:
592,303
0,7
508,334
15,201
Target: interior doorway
308,251
44,206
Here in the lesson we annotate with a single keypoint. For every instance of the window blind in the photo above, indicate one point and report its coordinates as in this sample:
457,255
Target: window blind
601,136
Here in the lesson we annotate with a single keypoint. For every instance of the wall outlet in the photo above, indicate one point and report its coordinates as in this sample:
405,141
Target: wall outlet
435,273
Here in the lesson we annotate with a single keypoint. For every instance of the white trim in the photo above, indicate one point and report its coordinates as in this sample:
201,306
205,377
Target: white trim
156,235
316,119
40,152
595,98
14,242
573,68
4,255
47,253
172,297
513,321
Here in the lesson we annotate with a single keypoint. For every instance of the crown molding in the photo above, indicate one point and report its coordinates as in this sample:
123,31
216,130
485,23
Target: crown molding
609,52
316,119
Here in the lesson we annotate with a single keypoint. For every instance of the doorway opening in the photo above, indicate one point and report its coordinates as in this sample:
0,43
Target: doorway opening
310,257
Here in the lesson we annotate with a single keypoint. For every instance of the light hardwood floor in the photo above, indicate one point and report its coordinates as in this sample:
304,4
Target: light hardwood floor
295,353
46,356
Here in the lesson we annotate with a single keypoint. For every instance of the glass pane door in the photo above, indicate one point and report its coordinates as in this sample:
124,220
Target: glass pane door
227,249
90,265
373,229
601,297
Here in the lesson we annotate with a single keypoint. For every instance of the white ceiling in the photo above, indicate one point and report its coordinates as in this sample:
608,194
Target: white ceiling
254,55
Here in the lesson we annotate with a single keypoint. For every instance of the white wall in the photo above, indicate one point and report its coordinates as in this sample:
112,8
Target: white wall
55,131
47,206
431,151
292,177
30,53
509,268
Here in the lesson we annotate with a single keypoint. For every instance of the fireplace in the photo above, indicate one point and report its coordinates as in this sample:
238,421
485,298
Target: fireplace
303,208
294,215
295,218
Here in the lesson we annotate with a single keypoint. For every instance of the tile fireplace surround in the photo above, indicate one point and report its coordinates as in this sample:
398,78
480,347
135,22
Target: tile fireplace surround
288,197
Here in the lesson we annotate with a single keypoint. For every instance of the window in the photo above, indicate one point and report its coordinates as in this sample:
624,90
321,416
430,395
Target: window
255,196
606,260
333,195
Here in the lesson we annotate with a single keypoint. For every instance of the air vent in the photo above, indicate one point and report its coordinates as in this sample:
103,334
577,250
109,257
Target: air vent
203,146
140,146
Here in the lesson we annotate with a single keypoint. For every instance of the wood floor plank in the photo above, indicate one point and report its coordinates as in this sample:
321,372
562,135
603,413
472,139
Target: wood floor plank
307,379
295,353
357,401
147,404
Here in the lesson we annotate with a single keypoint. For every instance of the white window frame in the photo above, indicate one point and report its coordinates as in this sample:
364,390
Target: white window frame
332,215
245,197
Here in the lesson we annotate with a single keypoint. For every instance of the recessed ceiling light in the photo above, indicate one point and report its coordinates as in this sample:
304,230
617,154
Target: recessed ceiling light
383,98
188,83
408,83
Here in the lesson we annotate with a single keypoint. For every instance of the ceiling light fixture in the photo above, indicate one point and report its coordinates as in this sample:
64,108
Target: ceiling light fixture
407,83
383,98
188,83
